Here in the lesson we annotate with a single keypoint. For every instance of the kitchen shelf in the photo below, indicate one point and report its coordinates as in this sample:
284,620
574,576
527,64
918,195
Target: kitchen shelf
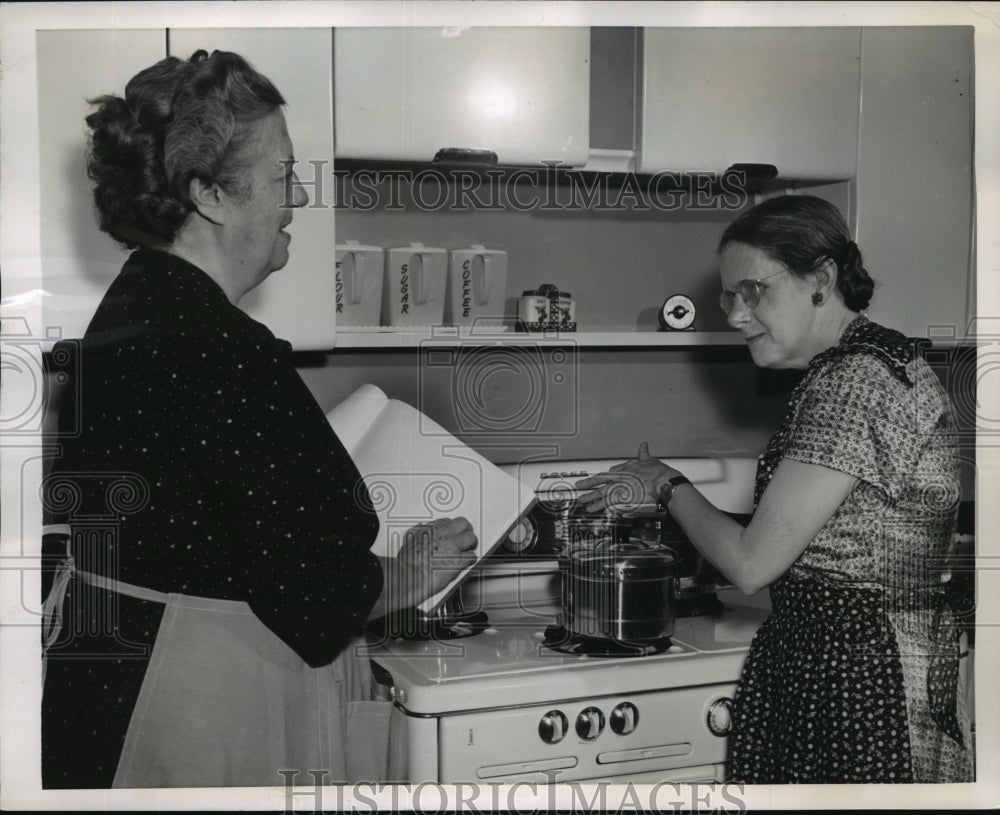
389,338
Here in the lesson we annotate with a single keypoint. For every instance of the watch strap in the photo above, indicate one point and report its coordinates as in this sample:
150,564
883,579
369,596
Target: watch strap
666,492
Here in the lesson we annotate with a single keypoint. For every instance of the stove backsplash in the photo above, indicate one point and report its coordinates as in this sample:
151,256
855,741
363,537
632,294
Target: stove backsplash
589,404
596,403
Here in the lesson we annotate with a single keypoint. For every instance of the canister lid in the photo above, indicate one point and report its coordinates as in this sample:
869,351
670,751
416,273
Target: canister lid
546,290
416,248
355,246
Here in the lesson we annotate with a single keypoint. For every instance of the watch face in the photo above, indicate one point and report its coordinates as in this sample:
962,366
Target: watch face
677,313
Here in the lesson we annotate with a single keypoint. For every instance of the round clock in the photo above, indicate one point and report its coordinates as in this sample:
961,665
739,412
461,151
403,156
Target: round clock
677,313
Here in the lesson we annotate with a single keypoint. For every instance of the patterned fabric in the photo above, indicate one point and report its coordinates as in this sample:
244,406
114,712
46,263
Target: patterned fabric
821,700
203,466
861,337
871,408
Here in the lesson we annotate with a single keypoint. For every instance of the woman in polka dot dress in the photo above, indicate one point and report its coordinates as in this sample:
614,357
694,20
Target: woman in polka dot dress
853,677
200,632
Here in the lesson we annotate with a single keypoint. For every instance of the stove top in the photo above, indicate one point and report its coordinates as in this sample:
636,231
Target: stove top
558,638
508,664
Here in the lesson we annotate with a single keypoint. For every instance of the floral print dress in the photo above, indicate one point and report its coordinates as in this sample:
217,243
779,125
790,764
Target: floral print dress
853,676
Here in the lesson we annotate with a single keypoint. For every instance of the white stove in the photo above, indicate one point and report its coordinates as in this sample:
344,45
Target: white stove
502,706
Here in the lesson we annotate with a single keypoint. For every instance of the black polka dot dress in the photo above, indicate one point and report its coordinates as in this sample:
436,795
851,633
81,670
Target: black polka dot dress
853,676
193,460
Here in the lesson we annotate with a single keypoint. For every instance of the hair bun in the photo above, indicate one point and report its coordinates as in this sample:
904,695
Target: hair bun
854,282
852,255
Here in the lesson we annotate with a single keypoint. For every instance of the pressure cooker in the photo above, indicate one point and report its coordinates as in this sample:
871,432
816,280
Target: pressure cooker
697,578
622,590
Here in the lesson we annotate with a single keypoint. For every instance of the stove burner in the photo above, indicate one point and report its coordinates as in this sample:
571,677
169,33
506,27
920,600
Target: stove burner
559,639
407,625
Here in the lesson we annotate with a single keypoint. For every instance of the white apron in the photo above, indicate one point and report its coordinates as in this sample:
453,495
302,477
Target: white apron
225,702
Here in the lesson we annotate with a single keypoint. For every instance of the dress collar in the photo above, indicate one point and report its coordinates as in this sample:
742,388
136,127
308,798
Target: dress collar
160,265
862,336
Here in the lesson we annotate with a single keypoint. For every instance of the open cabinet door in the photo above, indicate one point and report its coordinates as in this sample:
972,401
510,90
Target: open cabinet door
521,92
298,303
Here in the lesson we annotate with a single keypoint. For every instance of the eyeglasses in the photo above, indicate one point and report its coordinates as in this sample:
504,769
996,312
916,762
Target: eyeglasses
749,290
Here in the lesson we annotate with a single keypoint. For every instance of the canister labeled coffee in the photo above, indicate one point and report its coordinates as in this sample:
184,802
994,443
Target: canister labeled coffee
477,286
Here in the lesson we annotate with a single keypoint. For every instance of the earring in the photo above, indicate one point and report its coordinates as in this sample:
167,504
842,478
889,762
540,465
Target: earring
817,298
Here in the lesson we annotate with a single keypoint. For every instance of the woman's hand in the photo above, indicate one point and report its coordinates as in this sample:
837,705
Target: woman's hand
431,556
636,481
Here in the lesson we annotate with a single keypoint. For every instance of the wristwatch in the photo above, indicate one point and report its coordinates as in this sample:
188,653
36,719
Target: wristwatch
666,492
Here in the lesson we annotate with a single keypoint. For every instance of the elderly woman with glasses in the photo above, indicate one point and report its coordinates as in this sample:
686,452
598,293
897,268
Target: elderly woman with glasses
853,676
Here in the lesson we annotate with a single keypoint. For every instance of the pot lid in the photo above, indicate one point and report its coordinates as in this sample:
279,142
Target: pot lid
632,559
630,512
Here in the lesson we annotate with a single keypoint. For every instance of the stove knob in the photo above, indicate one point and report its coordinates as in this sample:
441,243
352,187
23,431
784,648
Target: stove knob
553,726
590,723
624,718
522,537
720,717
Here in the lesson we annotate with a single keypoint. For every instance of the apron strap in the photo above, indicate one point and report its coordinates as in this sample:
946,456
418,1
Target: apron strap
52,608
121,587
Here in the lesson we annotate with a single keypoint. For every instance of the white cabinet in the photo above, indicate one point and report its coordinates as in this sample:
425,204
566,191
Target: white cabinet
297,303
915,203
713,97
78,261
406,93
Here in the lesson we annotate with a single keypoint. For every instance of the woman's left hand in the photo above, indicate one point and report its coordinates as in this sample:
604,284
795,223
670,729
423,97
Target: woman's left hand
431,556
636,481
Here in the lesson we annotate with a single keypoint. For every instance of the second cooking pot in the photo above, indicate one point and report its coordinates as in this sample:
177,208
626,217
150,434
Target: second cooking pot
619,590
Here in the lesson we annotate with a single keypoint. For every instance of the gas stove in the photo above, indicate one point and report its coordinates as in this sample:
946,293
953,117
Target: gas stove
503,706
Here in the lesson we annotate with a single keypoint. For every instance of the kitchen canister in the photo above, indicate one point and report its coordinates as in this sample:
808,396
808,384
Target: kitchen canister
477,286
546,308
414,287
359,271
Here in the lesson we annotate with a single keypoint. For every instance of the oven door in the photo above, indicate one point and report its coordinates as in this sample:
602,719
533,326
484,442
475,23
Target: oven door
677,735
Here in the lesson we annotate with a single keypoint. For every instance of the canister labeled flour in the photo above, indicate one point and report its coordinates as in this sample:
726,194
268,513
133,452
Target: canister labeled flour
359,273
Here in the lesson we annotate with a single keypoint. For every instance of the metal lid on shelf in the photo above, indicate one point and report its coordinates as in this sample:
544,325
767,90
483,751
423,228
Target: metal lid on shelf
546,290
